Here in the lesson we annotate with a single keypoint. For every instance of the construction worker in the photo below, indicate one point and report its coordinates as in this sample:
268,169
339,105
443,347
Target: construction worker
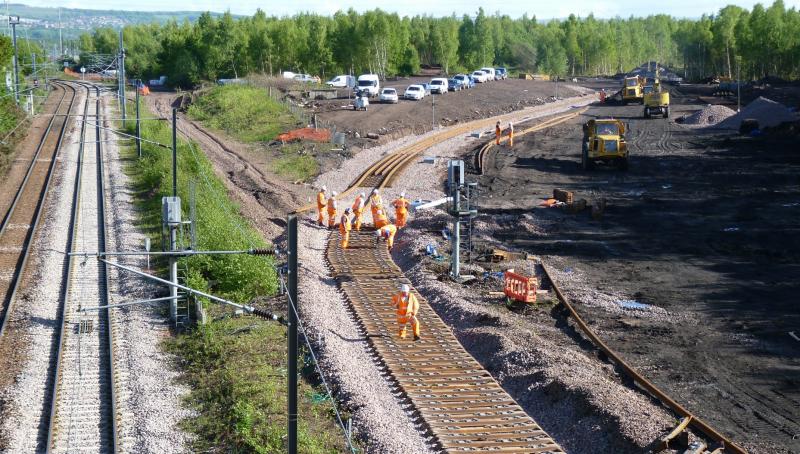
400,210
344,228
321,202
387,232
358,211
381,219
407,307
332,210
497,133
375,204
510,134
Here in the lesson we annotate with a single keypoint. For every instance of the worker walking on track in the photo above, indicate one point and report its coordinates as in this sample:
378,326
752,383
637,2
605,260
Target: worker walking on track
375,204
401,210
332,210
407,307
344,228
497,133
510,134
381,219
321,202
358,211
387,232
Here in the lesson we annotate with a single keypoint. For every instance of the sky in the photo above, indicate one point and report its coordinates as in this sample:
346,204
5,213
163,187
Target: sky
515,8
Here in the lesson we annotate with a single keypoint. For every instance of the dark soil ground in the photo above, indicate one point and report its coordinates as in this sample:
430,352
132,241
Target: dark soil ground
704,226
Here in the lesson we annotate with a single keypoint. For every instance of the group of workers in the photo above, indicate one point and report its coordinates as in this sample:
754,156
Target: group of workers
353,216
405,303
498,133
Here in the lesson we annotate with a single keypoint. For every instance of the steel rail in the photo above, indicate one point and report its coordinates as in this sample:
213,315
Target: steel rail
695,422
382,173
11,293
52,426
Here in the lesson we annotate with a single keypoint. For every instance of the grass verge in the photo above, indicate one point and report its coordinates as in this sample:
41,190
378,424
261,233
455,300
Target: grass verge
234,366
295,163
10,116
246,113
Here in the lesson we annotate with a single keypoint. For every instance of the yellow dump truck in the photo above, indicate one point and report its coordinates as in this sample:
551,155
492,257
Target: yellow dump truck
656,101
633,89
604,141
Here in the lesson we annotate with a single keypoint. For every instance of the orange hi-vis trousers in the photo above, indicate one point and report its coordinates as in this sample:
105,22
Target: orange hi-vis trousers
357,215
344,230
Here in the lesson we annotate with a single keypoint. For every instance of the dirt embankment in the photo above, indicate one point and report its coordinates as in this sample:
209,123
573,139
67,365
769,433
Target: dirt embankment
702,231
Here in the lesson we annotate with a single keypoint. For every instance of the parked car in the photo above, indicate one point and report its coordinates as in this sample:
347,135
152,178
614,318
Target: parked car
490,75
415,92
501,73
307,78
388,95
371,83
427,87
439,85
343,81
479,76
454,84
466,81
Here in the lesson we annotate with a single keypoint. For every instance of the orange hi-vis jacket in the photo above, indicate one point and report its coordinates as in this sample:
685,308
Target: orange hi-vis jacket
401,205
358,206
406,305
321,200
332,206
344,225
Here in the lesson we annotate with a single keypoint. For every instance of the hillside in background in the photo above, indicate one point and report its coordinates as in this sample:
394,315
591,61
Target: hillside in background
41,23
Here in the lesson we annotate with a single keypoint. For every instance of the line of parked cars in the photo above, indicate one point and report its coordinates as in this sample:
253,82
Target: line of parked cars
368,86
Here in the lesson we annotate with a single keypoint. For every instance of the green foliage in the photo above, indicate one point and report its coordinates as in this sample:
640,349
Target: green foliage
219,224
247,113
766,41
236,368
296,166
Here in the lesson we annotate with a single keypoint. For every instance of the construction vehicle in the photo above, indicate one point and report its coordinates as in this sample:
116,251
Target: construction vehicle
656,100
633,89
604,141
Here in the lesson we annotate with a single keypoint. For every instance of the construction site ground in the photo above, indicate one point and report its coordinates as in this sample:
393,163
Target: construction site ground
691,273
405,117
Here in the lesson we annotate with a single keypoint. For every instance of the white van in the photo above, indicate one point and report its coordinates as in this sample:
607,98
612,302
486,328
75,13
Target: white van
439,85
370,83
343,81
491,75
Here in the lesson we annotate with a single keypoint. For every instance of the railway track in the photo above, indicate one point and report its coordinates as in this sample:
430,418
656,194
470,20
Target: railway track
480,156
462,405
83,416
21,221
383,173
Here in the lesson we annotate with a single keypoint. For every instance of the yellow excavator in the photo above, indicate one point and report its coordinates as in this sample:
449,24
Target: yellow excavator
604,141
656,100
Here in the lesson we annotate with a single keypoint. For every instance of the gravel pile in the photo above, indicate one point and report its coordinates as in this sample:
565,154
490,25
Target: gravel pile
709,116
151,393
767,112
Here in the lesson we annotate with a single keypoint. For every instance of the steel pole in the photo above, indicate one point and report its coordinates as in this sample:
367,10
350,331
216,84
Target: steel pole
292,334
174,152
138,126
121,76
16,61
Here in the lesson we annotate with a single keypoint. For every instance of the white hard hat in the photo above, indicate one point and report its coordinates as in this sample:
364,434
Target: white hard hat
324,188
402,194
363,196
334,193
378,232
375,191
405,288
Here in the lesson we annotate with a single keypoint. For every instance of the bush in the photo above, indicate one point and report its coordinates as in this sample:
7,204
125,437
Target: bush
247,113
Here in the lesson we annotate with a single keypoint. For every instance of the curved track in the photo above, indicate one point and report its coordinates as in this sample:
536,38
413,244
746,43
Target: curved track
22,218
83,415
